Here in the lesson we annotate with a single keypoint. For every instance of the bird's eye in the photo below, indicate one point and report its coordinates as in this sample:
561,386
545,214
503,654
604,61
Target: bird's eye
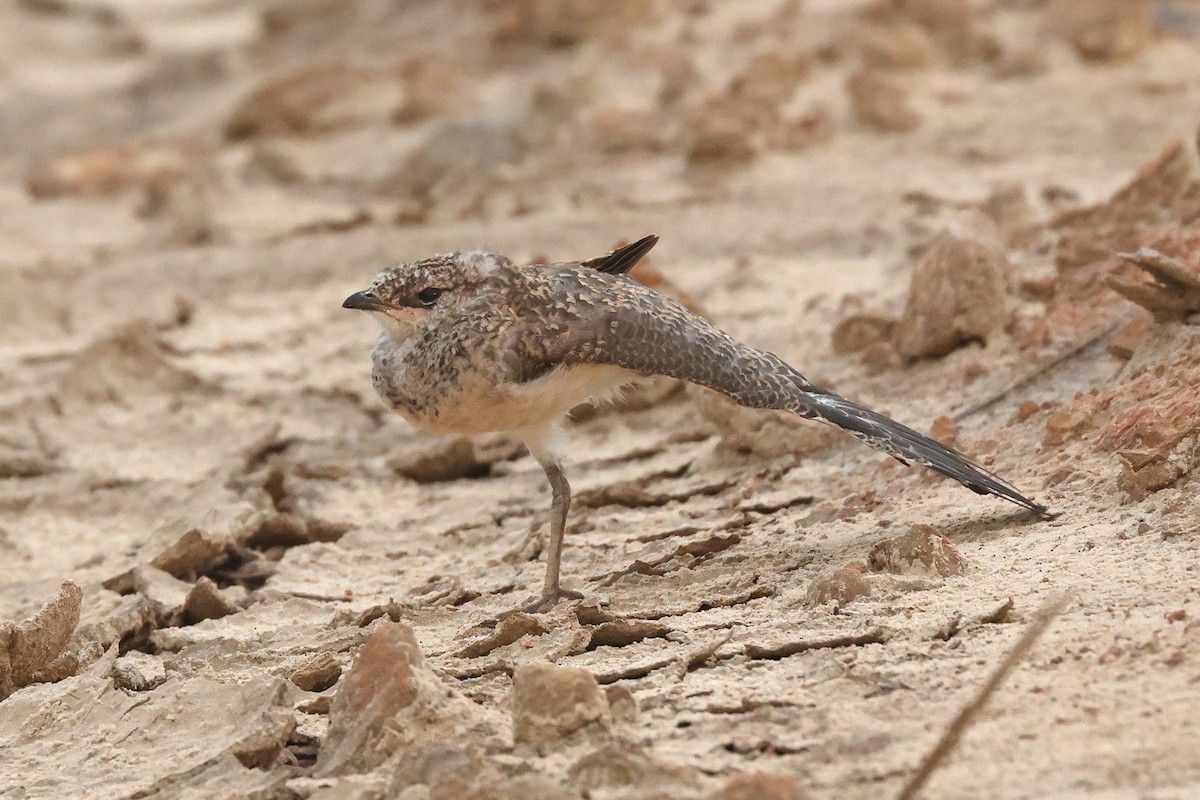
429,296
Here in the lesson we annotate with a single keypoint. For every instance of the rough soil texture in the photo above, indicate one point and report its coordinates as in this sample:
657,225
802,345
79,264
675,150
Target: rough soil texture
289,593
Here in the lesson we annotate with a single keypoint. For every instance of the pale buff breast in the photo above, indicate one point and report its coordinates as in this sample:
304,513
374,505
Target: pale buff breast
478,406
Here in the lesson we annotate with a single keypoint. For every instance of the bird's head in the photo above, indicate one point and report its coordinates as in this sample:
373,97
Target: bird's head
408,295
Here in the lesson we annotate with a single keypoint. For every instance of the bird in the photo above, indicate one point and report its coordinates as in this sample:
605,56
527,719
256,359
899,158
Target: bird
472,342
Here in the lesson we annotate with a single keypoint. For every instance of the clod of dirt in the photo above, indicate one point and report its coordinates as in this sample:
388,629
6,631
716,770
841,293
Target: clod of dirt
452,770
130,361
720,135
842,584
442,460
317,99
813,126
457,161
857,332
760,786
769,434
24,464
1173,295
433,86
899,47
624,632
556,24
1008,206
881,103
1143,473
621,703
924,550
617,767
944,430
951,23
164,590
29,650
104,172
197,542
622,131
318,673
205,601
139,672
510,629
390,701
549,703
129,623
1025,62
957,295
1104,30
772,77
1067,422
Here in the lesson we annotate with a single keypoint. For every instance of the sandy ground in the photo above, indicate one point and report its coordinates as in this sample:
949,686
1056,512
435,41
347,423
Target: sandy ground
188,431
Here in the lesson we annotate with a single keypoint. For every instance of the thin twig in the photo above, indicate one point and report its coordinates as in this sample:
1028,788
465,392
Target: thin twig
965,717
1042,368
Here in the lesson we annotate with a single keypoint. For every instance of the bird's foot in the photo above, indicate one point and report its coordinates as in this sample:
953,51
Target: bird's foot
548,601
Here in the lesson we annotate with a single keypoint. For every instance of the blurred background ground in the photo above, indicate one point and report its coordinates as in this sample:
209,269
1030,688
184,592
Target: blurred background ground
917,202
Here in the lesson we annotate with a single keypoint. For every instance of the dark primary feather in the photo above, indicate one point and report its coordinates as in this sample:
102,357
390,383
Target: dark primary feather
613,319
623,259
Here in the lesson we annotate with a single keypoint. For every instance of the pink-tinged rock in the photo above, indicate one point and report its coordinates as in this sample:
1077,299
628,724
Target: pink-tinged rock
389,703
381,682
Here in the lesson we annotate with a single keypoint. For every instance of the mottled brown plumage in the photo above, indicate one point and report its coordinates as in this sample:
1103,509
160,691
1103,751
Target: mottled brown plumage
472,342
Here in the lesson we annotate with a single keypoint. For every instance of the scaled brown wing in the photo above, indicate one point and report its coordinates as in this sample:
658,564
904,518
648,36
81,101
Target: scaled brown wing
616,320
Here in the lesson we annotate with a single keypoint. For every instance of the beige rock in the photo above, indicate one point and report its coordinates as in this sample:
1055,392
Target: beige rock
859,331
318,673
621,703
51,734
924,550
139,672
445,459
128,619
768,434
31,647
842,584
1104,30
205,601
562,23
957,294
99,173
719,134
881,103
620,131
772,77
628,772
317,99
899,47
550,703
165,591
129,361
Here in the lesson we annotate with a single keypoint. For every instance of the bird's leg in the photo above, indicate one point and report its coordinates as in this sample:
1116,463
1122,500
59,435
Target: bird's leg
561,490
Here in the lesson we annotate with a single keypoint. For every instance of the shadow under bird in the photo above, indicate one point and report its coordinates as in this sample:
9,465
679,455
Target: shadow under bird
474,343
